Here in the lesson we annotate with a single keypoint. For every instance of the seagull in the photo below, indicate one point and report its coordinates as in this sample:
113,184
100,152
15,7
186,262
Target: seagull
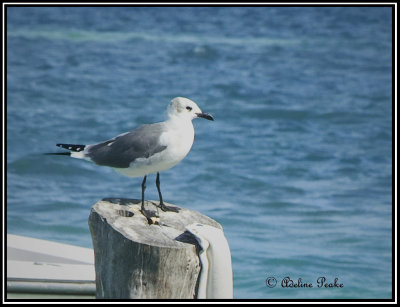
149,149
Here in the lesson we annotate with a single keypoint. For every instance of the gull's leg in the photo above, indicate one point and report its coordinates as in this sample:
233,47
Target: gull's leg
147,214
161,205
143,188
158,189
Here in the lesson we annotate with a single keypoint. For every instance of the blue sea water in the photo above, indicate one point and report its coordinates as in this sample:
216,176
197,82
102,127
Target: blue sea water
297,166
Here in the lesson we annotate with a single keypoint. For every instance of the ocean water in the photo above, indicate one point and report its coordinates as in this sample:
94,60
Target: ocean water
297,166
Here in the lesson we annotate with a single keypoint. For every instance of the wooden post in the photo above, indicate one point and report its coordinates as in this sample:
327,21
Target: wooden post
135,260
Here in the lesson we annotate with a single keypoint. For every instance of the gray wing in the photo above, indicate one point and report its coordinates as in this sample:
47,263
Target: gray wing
126,148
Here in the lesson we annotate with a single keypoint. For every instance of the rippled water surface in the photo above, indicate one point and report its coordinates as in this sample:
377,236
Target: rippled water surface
297,165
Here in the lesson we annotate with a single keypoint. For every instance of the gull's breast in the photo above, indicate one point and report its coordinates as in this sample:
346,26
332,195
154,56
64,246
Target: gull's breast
179,141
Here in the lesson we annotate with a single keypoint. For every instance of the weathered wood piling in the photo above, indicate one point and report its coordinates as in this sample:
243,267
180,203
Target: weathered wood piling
135,260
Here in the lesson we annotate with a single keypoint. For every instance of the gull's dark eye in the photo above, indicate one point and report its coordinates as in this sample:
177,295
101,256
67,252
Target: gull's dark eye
189,108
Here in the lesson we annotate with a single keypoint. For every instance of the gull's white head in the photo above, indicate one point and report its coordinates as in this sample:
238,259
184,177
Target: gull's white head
185,108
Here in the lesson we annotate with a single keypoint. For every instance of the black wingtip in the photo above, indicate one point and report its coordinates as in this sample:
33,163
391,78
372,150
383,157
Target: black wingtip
72,147
57,154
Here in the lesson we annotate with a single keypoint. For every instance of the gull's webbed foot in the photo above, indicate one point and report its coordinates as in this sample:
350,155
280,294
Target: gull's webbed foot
166,208
151,217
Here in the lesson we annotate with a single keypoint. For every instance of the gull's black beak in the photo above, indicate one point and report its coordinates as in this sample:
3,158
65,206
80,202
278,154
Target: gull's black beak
205,115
